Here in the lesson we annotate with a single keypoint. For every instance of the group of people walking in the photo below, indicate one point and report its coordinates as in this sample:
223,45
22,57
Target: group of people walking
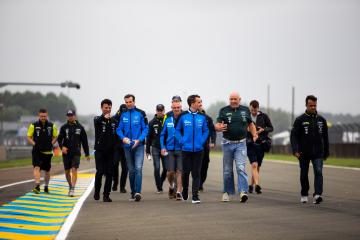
180,141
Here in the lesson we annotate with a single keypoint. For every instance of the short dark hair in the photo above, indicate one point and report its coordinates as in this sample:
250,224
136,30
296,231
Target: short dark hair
310,97
130,95
192,98
254,104
106,101
42,110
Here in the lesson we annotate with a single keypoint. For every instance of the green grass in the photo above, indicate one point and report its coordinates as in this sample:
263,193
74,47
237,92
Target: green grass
343,162
24,162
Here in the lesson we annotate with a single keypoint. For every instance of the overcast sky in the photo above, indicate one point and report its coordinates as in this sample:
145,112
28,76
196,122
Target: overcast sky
156,49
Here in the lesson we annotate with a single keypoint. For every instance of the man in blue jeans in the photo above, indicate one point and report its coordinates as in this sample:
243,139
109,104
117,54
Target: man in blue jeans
233,121
153,143
132,130
192,132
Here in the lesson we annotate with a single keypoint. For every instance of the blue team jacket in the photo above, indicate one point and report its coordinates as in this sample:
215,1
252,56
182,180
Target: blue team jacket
167,136
192,131
133,124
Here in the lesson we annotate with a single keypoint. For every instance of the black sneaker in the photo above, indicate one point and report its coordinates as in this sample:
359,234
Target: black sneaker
185,195
96,196
201,188
258,189
137,197
251,188
171,193
195,199
46,189
107,199
317,199
123,190
114,188
36,189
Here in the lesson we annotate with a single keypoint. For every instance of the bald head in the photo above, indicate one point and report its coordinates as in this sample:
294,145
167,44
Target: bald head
234,99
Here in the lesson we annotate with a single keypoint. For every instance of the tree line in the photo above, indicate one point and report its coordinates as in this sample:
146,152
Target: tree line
15,105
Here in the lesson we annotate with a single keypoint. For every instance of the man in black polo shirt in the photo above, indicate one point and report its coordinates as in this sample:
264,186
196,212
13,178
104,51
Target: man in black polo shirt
233,121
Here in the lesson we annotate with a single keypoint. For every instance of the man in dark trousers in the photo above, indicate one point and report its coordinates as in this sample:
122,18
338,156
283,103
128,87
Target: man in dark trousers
256,150
42,135
119,157
210,143
192,132
310,142
105,138
153,142
72,135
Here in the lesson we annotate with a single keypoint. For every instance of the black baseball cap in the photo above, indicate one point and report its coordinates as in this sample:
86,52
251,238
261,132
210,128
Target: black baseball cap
160,108
70,112
176,98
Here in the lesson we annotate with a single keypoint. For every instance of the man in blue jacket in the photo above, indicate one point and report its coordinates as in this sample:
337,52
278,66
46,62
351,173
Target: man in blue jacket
192,132
132,130
171,148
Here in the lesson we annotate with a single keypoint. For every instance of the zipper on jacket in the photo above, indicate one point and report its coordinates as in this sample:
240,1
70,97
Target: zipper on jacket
130,126
193,133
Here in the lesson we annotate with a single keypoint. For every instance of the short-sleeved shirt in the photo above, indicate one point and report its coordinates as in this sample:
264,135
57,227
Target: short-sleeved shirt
237,120
31,130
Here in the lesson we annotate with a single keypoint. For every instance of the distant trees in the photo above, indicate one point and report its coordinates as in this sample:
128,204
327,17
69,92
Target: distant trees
28,103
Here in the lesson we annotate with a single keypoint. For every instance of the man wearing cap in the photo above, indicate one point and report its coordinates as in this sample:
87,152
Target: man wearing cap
153,141
72,135
171,148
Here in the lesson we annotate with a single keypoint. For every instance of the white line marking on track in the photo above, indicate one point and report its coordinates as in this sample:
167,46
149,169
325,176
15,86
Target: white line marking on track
65,229
325,166
32,180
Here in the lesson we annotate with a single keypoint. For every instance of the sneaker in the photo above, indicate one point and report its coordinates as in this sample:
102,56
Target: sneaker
36,190
317,199
243,197
96,196
114,188
201,189
171,193
46,189
123,190
72,192
107,199
132,197
195,199
185,195
251,188
304,199
179,196
137,197
225,197
258,189
159,191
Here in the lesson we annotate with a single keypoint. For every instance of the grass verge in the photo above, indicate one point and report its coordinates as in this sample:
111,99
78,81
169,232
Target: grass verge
342,162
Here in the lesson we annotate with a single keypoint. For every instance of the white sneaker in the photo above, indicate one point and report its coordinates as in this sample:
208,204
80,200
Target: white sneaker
317,199
304,199
225,197
72,192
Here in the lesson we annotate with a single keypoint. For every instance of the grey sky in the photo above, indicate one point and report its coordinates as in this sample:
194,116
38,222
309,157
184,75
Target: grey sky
156,49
